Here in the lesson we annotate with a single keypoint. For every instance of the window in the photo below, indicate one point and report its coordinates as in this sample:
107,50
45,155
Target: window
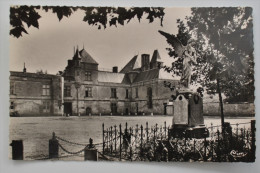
88,76
46,106
126,93
113,93
88,92
150,97
12,105
67,90
12,88
113,108
136,92
46,90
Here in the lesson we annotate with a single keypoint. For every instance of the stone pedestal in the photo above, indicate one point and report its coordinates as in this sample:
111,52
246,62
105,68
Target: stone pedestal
17,149
196,110
188,109
188,118
91,154
53,148
180,112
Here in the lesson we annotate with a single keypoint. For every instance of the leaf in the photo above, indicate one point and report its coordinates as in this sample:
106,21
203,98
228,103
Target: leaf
17,31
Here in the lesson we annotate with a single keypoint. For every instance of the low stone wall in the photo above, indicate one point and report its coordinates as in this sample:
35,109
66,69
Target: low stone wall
237,109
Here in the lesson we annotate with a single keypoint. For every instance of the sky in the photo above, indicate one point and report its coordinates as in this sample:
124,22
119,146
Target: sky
50,46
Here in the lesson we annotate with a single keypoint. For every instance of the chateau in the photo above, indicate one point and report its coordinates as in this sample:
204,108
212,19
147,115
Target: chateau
83,89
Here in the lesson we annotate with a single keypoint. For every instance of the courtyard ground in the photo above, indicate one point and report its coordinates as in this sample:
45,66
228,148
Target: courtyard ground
36,131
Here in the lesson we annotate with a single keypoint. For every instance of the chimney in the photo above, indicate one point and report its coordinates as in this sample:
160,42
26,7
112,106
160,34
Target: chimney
115,69
145,62
24,69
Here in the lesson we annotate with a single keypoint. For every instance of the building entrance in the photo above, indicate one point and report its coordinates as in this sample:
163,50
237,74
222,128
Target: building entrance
113,108
68,108
164,108
88,111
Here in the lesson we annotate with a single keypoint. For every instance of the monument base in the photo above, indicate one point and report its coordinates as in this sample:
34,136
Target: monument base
182,131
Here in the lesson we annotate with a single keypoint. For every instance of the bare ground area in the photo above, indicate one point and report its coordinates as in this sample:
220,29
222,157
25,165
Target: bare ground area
36,131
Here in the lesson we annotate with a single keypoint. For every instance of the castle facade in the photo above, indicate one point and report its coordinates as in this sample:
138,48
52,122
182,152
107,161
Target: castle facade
83,89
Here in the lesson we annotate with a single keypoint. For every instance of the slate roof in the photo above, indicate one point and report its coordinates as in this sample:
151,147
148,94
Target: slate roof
86,57
76,55
154,74
131,65
109,77
147,75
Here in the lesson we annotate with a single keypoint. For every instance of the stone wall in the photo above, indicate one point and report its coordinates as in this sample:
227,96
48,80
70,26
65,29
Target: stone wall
27,98
101,100
239,109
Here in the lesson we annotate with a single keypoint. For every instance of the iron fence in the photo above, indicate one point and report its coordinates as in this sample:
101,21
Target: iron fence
232,143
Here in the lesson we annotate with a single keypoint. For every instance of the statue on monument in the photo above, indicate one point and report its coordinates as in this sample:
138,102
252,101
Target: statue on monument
189,57
188,53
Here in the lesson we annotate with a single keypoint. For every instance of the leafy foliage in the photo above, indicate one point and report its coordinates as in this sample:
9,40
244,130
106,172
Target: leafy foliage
20,15
224,45
97,16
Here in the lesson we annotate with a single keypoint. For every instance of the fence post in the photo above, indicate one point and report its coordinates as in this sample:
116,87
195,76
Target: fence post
169,136
154,140
111,139
247,136
107,140
53,147
156,128
218,150
141,146
165,132
242,135
130,143
205,146
194,146
120,142
131,133
147,132
17,149
161,134
103,133
185,141
253,141
237,131
115,137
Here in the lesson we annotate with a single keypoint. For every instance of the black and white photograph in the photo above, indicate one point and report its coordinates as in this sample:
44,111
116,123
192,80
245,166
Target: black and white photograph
131,84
